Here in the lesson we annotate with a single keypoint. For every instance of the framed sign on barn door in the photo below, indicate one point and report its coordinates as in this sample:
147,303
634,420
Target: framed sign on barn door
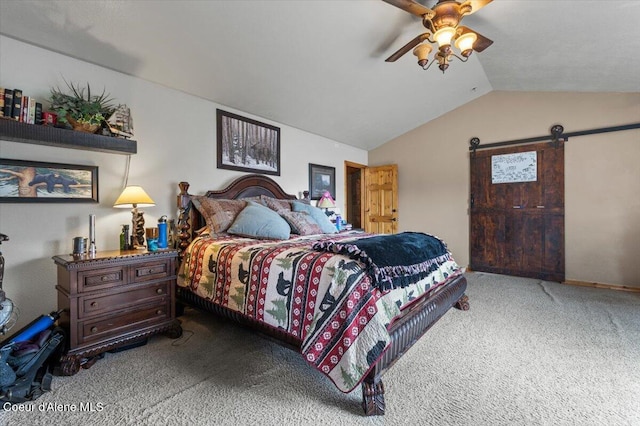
517,211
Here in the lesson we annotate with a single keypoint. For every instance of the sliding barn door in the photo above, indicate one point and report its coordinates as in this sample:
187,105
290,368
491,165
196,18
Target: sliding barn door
517,211
381,199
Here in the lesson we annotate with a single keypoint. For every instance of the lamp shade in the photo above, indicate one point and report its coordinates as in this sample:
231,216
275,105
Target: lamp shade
133,196
326,202
444,35
422,51
465,43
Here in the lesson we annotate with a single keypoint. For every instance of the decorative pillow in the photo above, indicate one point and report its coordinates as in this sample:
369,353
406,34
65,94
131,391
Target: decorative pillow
258,221
276,204
301,223
255,198
218,213
317,214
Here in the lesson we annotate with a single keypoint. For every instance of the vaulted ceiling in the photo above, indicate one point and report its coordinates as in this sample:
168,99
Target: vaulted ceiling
319,65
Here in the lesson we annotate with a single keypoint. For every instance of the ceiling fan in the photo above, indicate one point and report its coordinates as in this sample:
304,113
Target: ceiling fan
443,25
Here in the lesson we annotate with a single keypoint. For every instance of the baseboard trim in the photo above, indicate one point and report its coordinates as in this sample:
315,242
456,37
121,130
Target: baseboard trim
586,284
605,286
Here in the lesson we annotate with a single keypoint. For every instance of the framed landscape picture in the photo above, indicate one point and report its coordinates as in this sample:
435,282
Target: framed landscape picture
321,178
247,145
38,182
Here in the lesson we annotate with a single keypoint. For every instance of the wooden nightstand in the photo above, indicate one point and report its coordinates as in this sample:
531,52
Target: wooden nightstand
114,299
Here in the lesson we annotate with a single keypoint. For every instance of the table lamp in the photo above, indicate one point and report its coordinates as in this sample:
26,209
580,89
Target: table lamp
133,196
326,202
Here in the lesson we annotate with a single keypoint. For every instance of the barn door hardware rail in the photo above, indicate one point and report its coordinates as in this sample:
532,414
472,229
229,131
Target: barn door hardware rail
556,134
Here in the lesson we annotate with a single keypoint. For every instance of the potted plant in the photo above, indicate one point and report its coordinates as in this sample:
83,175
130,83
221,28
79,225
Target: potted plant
80,109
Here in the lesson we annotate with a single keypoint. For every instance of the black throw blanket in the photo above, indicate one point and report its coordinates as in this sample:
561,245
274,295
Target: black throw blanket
395,260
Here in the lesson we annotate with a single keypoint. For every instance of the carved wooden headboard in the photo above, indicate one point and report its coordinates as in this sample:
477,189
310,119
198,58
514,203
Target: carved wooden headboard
245,186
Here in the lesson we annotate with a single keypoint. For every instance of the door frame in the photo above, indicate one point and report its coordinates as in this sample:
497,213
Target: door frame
349,168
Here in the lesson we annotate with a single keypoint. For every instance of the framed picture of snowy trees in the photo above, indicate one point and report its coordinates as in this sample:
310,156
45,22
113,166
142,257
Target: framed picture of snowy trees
247,145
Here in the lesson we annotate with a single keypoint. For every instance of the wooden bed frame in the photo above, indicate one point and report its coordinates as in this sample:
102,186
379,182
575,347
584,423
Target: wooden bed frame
404,331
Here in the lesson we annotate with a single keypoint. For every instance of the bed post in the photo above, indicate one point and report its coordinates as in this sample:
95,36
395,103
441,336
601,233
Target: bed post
373,394
184,205
462,303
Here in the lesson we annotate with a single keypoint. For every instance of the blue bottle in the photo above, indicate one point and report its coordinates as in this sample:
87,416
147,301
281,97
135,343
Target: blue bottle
338,222
162,232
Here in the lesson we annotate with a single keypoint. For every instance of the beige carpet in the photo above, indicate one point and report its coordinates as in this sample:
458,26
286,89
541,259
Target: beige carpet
527,353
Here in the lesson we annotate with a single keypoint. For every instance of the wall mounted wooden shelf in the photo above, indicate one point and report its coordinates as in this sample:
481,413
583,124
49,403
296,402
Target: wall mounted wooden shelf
15,131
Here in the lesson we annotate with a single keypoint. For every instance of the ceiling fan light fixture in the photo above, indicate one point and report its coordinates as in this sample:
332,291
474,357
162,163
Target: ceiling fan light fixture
443,60
444,29
444,36
465,43
422,51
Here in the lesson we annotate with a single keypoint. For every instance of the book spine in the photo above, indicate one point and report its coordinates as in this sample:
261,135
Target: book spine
37,119
32,110
24,109
1,101
17,104
8,102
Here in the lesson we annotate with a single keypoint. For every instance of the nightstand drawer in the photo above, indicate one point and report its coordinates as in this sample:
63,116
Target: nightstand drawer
151,271
134,295
97,279
119,324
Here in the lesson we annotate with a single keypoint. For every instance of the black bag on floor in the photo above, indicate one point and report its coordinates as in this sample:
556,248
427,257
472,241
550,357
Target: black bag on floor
25,367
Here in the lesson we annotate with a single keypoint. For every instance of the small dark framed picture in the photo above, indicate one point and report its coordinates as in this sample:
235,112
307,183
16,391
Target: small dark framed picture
38,182
247,145
321,179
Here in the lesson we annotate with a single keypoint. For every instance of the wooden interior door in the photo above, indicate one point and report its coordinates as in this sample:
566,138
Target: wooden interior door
517,228
381,199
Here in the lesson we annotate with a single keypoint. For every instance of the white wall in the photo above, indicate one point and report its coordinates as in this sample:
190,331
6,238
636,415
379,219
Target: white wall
176,136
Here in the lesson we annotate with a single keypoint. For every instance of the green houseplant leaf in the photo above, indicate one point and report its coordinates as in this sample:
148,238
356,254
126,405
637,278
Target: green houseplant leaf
80,105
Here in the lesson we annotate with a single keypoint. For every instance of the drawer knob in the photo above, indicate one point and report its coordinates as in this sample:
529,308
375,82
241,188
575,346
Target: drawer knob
94,329
159,312
94,304
150,271
159,290
104,278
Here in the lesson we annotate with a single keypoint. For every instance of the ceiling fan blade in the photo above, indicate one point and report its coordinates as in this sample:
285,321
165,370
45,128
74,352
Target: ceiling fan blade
412,7
475,5
407,47
481,42
391,38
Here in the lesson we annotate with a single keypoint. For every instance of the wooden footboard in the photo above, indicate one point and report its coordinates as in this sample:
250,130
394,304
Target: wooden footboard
405,331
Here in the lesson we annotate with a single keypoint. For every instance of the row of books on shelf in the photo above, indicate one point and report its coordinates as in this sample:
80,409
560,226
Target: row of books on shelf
15,106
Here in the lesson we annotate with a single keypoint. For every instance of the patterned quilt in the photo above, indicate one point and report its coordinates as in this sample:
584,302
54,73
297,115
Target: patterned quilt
324,299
